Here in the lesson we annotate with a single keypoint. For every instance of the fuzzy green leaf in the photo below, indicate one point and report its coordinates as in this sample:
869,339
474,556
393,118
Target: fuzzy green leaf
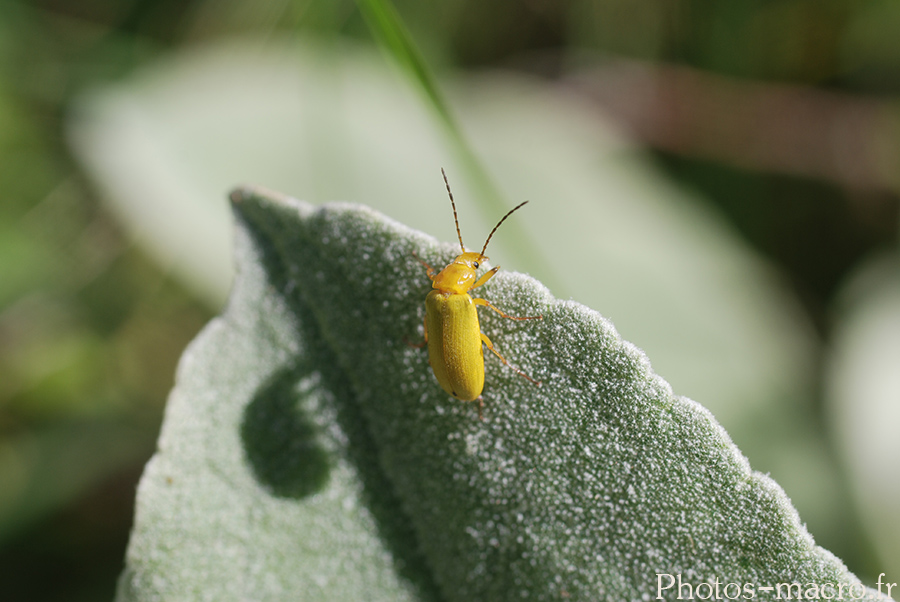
309,454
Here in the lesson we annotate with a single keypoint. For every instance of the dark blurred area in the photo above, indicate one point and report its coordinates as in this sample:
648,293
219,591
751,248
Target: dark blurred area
781,113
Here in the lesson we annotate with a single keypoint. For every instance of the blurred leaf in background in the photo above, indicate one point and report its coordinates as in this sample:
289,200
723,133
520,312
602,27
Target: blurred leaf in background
771,179
89,329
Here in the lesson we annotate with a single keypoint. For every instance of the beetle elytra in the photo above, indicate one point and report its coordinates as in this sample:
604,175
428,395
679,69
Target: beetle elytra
452,331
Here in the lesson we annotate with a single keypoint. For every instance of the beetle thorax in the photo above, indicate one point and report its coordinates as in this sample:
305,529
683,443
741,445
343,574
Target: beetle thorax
459,276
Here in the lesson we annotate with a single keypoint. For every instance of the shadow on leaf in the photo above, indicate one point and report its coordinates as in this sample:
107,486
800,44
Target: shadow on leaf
281,442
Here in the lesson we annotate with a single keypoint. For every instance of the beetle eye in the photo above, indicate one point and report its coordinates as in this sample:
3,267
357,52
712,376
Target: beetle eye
475,264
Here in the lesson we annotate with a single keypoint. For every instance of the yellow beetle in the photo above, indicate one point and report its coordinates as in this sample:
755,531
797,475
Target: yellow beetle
452,332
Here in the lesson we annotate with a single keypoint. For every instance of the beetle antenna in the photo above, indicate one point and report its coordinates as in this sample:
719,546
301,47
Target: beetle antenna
453,204
503,219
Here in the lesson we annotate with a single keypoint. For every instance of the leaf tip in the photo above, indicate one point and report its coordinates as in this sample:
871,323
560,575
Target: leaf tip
238,195
245,192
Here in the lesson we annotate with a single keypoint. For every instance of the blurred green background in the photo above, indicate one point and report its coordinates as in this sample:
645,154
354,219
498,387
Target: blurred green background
778,119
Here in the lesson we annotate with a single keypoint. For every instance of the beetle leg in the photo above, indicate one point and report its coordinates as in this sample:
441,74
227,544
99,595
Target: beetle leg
490,346
485,277
487,303
480,401
428,268
423,343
